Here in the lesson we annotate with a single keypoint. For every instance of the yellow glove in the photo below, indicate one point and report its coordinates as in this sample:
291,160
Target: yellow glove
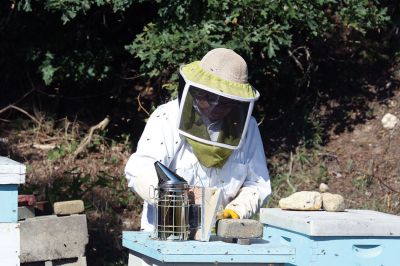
228,214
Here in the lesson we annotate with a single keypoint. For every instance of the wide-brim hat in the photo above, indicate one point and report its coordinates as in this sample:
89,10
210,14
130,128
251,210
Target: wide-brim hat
222,70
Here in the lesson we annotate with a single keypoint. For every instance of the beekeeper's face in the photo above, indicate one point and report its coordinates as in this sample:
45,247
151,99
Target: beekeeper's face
213,106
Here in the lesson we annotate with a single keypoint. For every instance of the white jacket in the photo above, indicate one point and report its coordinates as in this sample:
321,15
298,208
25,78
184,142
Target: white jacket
243,180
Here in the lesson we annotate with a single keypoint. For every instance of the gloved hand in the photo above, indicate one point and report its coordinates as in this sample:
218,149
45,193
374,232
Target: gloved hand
227,214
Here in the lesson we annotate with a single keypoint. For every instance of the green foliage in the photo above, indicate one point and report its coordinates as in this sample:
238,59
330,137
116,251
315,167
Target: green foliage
60,151
71,66
261,31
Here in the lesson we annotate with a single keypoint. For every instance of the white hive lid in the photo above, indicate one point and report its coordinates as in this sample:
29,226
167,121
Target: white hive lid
322,223
11,172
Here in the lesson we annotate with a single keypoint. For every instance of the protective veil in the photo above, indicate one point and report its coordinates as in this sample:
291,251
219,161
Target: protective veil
214,113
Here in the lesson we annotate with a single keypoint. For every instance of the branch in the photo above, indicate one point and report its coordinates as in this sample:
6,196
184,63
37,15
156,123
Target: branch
21,110
141,106
86,141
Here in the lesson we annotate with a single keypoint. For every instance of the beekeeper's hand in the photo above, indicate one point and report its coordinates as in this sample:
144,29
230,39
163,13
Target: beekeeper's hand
227,214
142,180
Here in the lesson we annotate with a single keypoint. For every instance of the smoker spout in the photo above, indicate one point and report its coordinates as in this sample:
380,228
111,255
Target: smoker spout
165,175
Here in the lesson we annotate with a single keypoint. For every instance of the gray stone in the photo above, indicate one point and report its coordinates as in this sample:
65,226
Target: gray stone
302,201
45,238
333,202
26,212
68,207
239,228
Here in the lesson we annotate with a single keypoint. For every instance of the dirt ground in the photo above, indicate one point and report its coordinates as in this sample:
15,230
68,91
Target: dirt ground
364,163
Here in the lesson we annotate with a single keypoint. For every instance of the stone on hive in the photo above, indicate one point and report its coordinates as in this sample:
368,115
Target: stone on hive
239,228
333,202
302,201
68,207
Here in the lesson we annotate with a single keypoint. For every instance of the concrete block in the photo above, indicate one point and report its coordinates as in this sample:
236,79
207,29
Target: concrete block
25,212
45,238
68,207
239,228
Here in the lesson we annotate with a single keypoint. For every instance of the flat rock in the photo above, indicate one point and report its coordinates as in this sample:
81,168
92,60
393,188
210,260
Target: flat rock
239,228
302,201
333,202
68,207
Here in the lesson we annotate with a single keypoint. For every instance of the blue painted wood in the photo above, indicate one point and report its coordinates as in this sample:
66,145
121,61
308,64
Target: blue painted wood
287,241
8,203
333,251
260,251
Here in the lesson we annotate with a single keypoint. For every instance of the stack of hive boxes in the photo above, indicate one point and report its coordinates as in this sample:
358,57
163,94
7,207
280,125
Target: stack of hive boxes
11,175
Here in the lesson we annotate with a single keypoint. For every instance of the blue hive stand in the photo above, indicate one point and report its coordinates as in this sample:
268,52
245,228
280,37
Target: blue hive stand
315,238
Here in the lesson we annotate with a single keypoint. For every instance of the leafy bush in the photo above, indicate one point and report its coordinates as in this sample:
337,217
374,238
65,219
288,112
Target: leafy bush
264,32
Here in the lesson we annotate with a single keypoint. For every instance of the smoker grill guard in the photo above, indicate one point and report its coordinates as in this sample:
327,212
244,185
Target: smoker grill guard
172,214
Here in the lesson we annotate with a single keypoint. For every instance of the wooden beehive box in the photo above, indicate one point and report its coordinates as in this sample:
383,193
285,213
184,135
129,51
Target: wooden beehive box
11,175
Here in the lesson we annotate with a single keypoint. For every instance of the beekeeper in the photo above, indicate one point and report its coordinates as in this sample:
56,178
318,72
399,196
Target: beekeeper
207,136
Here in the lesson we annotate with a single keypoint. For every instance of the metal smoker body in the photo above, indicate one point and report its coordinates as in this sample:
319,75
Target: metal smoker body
172,205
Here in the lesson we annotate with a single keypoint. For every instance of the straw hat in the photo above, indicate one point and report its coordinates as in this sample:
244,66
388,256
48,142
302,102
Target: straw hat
226,64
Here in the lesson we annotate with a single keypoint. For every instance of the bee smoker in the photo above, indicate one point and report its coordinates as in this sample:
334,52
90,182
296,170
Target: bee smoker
172,205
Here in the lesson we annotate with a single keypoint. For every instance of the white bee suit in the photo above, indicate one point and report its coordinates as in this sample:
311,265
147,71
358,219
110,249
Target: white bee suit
243,180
